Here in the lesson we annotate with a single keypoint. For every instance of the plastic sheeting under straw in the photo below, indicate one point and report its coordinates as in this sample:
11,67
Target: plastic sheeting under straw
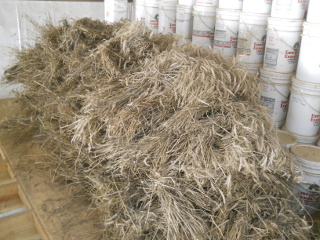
168,140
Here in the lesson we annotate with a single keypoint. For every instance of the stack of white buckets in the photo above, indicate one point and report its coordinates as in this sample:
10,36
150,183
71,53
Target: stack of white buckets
281,56
303,118
252,34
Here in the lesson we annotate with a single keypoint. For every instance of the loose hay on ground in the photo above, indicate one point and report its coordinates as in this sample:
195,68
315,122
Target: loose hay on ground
169,140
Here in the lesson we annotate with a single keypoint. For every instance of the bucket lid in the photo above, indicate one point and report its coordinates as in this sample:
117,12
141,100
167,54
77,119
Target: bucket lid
286,139
285,24
307,152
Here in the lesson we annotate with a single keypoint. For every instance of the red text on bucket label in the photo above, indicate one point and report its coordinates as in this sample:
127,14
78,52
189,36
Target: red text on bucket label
284,105
172,26
307,197
233,41
259,48
303,3
315,118
291,56
154,23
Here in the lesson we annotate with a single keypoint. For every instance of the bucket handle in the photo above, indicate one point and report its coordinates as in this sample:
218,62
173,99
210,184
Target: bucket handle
212,29
147,12
226,26
173,20
277,89
276,31
251,32
301,93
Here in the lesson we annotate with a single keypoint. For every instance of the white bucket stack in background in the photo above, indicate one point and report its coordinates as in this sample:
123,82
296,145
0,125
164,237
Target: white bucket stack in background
274,93
152,14
282,45
204,18
252,34
167,16
139,11
303,118
308,190
184,21
226,30
115,10
281,55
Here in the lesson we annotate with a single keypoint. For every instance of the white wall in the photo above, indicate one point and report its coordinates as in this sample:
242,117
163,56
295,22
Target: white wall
17,31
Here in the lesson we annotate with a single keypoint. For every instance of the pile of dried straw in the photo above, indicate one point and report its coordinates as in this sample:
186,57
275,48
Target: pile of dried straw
169,140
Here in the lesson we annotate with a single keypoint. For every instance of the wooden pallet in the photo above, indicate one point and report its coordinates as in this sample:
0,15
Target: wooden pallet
16,220
44,209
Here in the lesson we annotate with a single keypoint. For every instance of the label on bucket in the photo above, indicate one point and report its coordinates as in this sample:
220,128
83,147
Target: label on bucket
154,23
271,57
172,26
206,34
315,119
268,102
268,2
309,195
244,48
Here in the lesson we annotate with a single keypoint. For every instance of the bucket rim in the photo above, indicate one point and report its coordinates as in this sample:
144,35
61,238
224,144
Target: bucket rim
311,158
294,138
285,24
310,138
312,85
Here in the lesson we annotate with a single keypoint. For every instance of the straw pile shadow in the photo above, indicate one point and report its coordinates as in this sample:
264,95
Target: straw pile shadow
169,140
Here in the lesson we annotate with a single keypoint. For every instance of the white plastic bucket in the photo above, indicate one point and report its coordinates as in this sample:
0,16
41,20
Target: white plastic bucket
292,9
203,25
308,68
152,14
313,15
257,6
184,21
167,16
139,11
303,139
187,2
282,45
251,37
231,4
274,93
303,116
286,139
308,190
115,10
213,3
226,32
